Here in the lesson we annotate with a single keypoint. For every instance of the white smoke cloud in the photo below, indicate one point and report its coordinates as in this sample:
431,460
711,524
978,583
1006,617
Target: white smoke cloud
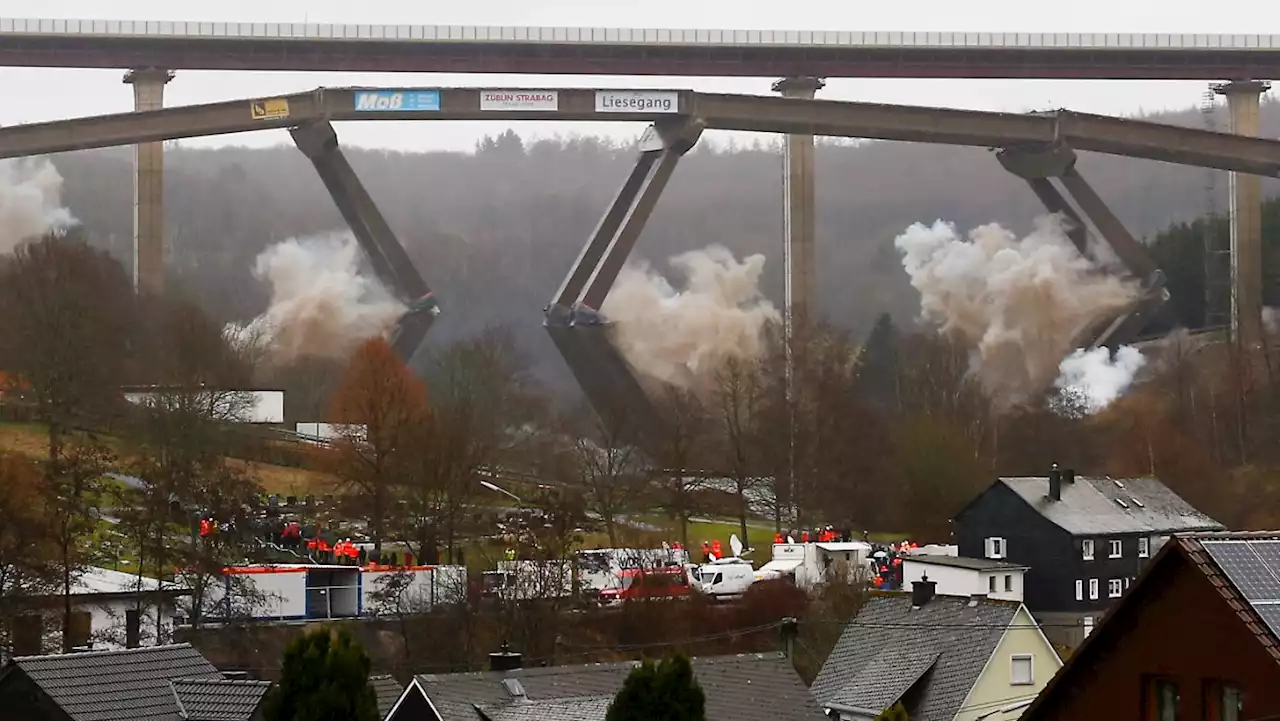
1021,304
320,303
30,201
1098,376
683,336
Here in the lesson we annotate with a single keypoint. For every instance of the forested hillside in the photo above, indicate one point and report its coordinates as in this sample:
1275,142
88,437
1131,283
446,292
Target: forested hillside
495,231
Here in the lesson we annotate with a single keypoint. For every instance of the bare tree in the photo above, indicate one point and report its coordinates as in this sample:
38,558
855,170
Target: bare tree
738,401
605,463
680,449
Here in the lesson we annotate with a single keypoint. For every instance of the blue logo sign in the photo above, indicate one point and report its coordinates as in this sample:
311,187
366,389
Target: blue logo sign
398,100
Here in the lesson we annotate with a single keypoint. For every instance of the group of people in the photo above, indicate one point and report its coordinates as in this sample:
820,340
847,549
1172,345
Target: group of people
886,562
825,534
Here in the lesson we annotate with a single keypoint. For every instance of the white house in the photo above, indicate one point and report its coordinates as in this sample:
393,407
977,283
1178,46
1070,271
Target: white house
111,610
960,576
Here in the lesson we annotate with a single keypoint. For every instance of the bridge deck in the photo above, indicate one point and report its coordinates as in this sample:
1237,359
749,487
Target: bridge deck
181,45
1102,134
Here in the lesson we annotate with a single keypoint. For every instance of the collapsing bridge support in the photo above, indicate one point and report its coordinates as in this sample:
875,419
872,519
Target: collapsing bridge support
390,262
1039,165
148,185
573,318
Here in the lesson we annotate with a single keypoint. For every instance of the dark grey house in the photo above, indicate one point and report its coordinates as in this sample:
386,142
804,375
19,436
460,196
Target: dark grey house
748,687
158,683
1084,539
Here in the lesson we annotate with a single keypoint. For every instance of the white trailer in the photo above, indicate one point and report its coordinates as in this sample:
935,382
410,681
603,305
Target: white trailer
298,592
525,580
809,564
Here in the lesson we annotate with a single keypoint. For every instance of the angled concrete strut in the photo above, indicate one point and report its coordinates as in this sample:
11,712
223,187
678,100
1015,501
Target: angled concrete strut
319,142
1038,165
572,318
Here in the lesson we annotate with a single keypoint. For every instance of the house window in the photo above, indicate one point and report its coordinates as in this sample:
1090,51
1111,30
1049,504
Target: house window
1008,583
1163,700
1087,622
1079,590
1144,547
1093,589
1086,549
1223,702
995,547
1117,549
1115,587
1022,670
991,584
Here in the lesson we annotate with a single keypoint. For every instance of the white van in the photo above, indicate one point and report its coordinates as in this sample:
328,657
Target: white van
725,579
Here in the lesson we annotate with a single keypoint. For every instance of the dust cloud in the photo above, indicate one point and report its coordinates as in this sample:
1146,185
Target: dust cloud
682,337
1021,304
1099,376
321,305
30,201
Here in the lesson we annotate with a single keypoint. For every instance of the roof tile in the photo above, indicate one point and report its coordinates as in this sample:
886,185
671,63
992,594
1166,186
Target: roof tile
1089,507
213,699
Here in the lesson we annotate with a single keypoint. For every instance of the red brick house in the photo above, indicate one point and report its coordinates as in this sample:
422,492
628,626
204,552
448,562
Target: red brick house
1196,638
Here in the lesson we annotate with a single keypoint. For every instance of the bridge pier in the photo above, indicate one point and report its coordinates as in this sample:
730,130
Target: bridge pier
798,214
1245,191
148,185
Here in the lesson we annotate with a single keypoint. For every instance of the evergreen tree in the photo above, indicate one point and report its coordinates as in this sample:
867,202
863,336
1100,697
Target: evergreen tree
660,692
325,677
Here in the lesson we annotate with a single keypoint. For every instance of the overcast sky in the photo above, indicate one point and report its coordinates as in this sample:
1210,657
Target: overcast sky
32,95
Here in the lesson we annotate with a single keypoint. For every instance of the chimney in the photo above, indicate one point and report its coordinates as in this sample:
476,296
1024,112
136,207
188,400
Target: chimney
132,628
1055,483
1068,476
27,634
922,591
505,660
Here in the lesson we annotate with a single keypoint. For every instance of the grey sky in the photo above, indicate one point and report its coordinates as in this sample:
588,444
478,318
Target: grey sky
33,95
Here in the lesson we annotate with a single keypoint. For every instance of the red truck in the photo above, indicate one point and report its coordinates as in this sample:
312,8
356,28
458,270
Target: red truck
633,584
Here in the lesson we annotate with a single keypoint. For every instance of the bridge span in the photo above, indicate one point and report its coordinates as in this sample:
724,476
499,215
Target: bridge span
190,45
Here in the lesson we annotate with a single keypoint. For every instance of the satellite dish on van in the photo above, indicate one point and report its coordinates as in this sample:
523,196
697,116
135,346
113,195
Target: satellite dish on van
790,539
735,545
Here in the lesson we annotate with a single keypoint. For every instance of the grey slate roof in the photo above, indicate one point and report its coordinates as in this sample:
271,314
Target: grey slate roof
945,643
114,685
388,692
586,708
973,564
214,699
747,687
1092,506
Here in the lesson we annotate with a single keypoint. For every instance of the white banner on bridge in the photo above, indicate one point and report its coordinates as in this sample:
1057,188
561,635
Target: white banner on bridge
509,100
637,101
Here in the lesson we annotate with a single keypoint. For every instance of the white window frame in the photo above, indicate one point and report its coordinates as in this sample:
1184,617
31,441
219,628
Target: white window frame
1031,668
1086,549
1087,622
1144,547
1079,590
1008,583
1093,589
1115,587
995,547
1116,548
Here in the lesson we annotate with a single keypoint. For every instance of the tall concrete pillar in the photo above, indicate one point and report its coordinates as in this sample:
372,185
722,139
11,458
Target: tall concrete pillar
148,185
1243,103
798,214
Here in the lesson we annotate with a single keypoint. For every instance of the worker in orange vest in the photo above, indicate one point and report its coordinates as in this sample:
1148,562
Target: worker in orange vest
716,548
804,537
777,538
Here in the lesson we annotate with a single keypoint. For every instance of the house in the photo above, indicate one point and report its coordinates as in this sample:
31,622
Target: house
961,576
1083,539
1197,636
748,687
110,610
158,683
388,691
944,658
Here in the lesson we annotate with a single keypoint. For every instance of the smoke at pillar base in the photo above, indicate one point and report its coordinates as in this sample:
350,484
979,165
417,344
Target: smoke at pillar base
30,202
1021,305
683,336
321,304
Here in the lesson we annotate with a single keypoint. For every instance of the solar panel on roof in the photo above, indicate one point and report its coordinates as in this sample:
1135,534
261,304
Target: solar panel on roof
1253,567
